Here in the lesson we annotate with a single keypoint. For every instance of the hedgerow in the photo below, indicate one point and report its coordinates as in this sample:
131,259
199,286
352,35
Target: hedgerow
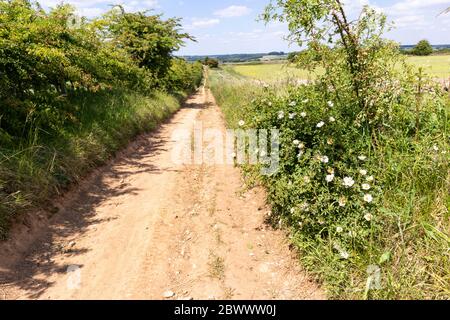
73,91
363,176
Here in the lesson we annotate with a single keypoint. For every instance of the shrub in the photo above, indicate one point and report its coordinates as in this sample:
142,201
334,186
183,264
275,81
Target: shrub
363,157
73,94
210,62
422,48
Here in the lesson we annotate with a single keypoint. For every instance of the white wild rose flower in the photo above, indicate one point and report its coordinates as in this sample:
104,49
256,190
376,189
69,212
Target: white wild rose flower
303,114
339,229
344,255
362,158
363,172
332,119
330,178
324,159
368,198
292,115
348,182
280,115
320,124
365,186
241,123
293,103
296,142
368,217
342,202
370,178
436,148
330,104
305,101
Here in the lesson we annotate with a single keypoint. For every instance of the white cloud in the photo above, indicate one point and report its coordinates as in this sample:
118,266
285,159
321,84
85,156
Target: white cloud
202,23
233,11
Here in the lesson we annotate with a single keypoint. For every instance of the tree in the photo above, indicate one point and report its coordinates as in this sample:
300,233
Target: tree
149,39
351,51
212,63
423,48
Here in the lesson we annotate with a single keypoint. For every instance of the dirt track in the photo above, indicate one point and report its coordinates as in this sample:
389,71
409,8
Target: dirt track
143,227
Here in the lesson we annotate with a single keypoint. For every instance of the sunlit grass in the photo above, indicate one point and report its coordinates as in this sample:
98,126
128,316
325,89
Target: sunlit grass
435,66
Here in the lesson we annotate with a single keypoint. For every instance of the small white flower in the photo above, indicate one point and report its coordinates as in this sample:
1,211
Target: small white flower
292,115
362,158
363,172
280,114
301,145
330,104
370,178
368,217
305,101
344,255
332,119
293,103
304,206
292,210
330,141
324,159
303,114
368,198
342,202
329,178
348,182
339,229
320,124
365,186
306,179
436,148
296,142
241,123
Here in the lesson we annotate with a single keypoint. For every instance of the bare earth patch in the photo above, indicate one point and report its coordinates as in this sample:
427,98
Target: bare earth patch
143,227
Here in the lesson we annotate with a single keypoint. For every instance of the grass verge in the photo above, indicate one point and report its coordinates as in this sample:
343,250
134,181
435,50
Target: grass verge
35,169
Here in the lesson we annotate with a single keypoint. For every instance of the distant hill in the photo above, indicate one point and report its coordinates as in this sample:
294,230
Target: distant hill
274,55
240,57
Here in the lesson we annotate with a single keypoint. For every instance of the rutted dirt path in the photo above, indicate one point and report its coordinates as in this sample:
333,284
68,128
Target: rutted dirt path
143,227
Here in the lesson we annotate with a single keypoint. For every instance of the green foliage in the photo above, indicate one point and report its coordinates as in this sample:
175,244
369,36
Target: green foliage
422,48
364,170
210,62
57,79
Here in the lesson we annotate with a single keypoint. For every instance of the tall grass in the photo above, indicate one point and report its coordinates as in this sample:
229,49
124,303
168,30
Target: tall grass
44,163
410,240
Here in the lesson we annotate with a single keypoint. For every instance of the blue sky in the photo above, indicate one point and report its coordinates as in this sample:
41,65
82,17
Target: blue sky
230,26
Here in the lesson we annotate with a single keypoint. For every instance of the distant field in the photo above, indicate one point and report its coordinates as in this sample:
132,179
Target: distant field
271,71
436,66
